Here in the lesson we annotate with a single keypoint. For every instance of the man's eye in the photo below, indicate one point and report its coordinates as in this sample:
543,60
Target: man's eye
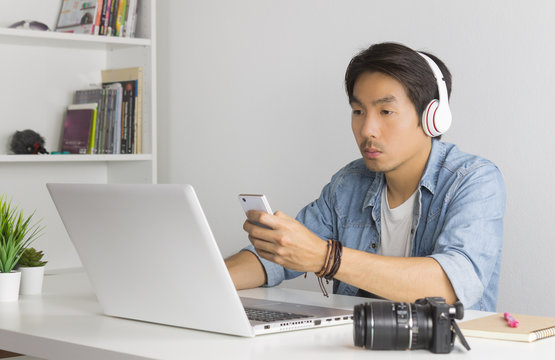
386,112
357,112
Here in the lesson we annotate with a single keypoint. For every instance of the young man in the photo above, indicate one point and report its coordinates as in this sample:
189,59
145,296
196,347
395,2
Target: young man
414,217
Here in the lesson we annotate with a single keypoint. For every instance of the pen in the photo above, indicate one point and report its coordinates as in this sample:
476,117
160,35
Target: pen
511,320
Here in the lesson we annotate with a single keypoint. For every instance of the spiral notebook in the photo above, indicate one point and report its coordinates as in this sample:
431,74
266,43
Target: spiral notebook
495,326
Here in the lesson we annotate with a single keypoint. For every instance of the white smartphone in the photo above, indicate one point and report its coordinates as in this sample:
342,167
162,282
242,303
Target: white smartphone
255,202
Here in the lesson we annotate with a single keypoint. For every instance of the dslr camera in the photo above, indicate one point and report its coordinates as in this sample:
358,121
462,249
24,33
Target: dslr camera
428,323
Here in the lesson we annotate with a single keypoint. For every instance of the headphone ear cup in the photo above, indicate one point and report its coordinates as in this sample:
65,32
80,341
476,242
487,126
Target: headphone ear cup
429,119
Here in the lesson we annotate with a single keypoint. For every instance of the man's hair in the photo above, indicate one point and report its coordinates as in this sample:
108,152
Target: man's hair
403,64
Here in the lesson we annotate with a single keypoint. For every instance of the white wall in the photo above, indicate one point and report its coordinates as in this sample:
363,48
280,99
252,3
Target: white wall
251,99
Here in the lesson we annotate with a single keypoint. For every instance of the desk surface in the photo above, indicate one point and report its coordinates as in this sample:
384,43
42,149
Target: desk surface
66,322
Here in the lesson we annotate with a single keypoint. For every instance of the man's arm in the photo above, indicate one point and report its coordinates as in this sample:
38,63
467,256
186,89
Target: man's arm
246,270
394,278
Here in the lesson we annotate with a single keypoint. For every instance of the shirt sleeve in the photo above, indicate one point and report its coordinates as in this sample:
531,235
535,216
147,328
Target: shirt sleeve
472,235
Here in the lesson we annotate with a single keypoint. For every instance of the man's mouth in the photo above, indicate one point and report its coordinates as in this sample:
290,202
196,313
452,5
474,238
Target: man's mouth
371,152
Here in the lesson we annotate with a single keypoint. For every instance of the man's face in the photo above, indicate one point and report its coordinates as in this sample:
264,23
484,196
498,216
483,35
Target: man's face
386,125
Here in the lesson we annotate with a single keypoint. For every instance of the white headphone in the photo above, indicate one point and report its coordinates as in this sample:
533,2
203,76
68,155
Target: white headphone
436,118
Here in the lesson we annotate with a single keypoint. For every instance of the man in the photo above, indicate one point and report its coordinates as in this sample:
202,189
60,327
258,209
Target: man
414,217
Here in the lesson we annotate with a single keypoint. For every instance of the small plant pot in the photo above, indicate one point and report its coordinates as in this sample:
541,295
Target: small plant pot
31,280
9,286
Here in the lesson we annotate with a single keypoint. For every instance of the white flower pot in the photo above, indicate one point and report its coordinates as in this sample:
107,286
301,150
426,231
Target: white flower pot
9,286
31,280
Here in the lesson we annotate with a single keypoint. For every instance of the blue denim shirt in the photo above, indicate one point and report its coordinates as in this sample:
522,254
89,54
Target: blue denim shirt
458,221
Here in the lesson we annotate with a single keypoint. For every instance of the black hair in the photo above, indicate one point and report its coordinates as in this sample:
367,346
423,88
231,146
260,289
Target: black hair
403,64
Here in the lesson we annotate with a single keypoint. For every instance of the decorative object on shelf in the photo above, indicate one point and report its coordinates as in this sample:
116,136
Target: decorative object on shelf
29,25
16,234
31,268
27,142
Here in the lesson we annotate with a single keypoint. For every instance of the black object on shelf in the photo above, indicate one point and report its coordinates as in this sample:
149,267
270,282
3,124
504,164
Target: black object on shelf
27,142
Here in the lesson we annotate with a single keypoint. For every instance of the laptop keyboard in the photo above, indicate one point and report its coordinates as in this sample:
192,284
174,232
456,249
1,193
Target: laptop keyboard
271,315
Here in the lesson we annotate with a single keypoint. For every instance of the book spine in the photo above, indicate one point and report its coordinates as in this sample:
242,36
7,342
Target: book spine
96,27
139,112
90,150
133,122
117,119
127,101
113,17
104,17
102,135
99,118
129,10
112,120
131,18
121,17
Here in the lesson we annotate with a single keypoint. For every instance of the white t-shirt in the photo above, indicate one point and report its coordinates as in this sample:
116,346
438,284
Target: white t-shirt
396,224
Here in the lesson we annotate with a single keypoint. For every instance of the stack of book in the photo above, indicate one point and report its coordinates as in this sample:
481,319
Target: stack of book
106,120
98,17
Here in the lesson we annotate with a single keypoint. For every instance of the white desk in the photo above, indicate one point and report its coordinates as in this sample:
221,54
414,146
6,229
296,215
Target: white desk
66,322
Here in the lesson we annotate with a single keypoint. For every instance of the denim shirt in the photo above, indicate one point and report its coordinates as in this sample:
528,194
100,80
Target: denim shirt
458,221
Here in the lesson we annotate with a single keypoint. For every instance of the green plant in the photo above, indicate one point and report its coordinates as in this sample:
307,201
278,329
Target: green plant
31,258
16,234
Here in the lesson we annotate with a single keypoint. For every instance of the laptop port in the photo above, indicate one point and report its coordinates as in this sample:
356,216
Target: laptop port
266,327
345,318
317,322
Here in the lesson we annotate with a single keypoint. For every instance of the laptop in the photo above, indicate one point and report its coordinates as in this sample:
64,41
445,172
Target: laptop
150,255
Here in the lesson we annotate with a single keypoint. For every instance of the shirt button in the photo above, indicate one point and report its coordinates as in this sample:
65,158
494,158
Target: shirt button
412,231
373,246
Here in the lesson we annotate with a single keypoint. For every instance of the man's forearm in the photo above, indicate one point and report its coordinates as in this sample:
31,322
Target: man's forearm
246,270
395,278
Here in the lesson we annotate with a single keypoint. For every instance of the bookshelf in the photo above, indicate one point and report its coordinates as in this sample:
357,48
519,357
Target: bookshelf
41,71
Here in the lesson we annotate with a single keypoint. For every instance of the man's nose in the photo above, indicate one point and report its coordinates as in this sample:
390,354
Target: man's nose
370,126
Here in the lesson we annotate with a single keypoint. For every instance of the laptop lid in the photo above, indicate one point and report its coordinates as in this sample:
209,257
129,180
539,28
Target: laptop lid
150,255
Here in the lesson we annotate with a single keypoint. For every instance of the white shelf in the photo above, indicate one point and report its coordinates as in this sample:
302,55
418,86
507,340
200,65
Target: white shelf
42,71
51,38
73,157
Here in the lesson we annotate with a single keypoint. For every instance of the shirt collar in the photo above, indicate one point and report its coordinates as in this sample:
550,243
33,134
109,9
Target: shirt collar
428,179
435,162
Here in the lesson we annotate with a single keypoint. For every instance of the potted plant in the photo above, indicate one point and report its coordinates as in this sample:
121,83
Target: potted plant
16,234
32,271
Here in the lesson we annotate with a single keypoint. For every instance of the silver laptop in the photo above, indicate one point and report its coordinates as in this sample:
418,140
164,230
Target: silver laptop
150,255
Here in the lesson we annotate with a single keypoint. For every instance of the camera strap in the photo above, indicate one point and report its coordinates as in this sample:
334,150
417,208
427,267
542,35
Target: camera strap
459,333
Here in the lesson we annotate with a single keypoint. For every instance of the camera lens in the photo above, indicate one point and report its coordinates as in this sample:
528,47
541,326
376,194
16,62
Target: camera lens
384,325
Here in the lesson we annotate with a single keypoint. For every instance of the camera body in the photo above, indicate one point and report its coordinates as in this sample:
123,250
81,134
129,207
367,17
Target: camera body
442,314
427,323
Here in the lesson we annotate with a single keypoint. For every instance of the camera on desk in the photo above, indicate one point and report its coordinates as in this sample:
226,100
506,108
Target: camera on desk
428,323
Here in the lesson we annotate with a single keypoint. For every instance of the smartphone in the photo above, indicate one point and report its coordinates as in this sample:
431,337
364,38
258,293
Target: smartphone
255,202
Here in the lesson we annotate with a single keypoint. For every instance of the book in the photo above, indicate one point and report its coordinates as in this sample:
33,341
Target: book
132,129
77,16
96,27
103,19
113,135
495,326
112,18
92,96
79,128
120,21
130,19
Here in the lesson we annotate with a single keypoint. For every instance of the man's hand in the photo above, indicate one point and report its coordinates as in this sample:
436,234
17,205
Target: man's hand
287,242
